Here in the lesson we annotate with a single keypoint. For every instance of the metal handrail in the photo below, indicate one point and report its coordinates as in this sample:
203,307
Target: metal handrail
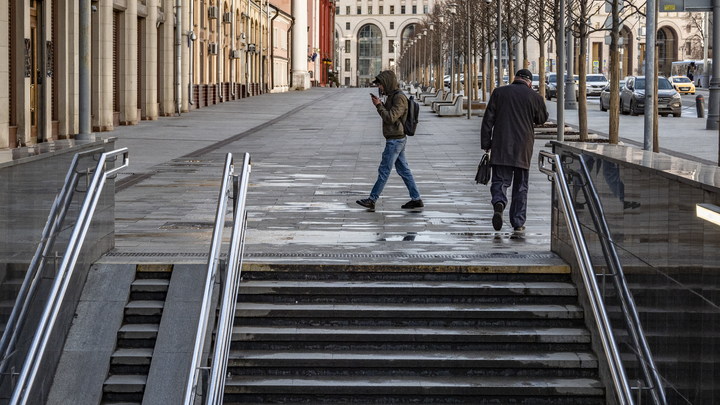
27,291
42,334
617,372
217,370
627,304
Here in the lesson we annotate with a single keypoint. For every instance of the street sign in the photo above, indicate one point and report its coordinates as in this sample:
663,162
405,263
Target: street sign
608,6
672,6
596,63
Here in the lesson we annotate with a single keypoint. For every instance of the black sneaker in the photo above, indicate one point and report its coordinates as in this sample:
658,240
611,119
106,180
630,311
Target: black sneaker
413,204
497,219
367,203
520,228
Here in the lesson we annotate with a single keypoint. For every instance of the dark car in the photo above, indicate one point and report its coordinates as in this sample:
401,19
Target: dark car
605,96
551,86
632,97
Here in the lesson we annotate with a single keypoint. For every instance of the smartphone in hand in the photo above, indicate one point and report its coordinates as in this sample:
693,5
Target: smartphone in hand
372,95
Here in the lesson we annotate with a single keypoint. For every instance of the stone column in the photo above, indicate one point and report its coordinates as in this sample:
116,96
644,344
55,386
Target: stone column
301,79
166,54
4,76
102,69
68,65
44,95
149,79
127,64
21,83
185,54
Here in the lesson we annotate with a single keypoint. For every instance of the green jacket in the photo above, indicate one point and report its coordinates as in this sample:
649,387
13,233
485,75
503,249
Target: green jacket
394,111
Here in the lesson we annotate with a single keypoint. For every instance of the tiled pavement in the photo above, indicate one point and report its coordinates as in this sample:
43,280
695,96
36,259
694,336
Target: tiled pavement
313,154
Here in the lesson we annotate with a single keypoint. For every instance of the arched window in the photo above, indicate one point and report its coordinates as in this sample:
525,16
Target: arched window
667,47
369,54
408,33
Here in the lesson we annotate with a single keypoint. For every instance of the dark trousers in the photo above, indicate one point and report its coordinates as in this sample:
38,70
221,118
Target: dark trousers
502,177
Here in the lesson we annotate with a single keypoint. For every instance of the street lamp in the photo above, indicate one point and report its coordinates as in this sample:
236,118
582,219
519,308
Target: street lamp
425,71
453,11
499,43
442,57
432,77
470,72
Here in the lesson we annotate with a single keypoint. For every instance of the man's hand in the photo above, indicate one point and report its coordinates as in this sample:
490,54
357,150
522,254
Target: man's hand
376,100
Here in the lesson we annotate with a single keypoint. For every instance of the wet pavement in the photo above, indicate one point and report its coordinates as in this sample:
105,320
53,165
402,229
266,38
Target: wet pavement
313,154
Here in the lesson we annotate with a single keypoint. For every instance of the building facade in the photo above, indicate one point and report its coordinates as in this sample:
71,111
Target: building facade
369,35
229,49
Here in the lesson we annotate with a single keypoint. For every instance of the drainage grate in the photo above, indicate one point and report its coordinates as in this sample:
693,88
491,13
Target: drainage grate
341,192
192,225
348,255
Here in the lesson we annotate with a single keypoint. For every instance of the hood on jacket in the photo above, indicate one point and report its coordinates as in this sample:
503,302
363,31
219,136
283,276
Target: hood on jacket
388,80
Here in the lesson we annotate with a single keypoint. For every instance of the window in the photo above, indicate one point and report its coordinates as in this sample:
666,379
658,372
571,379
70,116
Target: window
369,54
275,37
337,10
347,65
414,9
347,46
369,9
359,10
425,9
392,62
347,10
392,9
380,9
391,46
347,25
402,9
347,81
392,24
688,49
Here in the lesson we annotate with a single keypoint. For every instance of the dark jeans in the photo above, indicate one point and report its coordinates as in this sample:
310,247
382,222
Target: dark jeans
502,177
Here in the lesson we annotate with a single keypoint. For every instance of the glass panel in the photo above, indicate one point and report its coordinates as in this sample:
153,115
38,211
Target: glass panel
369,54
670,259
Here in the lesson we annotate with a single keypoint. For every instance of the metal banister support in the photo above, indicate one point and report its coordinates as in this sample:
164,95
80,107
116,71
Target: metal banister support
215,381
27,291
617,371
214,257
27,376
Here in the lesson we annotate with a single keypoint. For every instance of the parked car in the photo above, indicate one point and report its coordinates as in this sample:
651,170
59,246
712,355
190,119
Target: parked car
632,97
536,82
595,83
682,84
551,87
605,96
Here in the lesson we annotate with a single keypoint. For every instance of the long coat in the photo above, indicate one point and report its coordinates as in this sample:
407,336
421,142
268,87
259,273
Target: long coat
507,126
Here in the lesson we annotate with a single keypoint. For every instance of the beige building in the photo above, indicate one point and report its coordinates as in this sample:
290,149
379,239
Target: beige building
230,49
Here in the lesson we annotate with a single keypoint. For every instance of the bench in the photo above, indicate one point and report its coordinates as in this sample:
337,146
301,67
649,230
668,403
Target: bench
478,107
431,93
451,110
436,105
439,97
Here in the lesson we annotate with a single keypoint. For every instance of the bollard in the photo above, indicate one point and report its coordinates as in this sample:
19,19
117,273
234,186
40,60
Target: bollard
700,105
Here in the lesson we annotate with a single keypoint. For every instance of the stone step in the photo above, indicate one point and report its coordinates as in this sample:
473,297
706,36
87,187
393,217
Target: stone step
143,331
475,311
6,307
11,287
146,308
125,384
134,357
425,361
410,334
435,386
150,285
422,288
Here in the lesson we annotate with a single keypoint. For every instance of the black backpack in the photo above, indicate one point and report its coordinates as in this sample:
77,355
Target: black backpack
411,121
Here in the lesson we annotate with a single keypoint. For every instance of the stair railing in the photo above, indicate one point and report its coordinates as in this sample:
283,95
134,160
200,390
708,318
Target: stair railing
26,378
213,377
630,315
557,175
30,284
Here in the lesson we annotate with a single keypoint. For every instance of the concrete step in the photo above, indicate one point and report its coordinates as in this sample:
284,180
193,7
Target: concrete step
395,360
433,386
6,307
410,334
137,335
474,311
425,288
150,285
123,389
146,308
131,361
11,287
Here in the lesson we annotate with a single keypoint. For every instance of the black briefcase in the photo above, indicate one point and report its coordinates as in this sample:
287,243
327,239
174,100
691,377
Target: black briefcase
483,171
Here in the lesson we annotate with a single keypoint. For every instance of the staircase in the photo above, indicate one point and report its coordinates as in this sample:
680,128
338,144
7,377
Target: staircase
130,363
374,334
9,290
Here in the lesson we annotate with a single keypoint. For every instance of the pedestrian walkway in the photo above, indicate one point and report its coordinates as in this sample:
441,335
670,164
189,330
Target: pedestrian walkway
313,154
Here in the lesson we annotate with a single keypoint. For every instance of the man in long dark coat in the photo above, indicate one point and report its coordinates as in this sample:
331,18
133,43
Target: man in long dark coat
508,130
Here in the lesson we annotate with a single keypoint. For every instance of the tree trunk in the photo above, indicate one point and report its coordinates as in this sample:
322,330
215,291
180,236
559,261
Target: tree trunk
582,69
491,71
614,116
656,138
541,42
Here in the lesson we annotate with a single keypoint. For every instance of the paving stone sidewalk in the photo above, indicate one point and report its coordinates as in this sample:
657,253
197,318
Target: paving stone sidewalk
313,154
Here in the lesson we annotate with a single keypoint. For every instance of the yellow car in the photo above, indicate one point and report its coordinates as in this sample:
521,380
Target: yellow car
682,84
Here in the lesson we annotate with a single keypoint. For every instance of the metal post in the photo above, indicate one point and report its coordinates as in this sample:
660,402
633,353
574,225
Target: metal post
560,90
433,80
85,66
570,100
178,55
425,69
499,43
452,57
714,104
470,73
706,43
650,74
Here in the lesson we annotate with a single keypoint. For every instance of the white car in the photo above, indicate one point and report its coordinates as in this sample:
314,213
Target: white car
536,82
595,83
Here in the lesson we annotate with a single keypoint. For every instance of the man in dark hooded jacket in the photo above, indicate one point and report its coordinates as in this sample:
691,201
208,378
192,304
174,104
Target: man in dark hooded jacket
393,114
508,130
